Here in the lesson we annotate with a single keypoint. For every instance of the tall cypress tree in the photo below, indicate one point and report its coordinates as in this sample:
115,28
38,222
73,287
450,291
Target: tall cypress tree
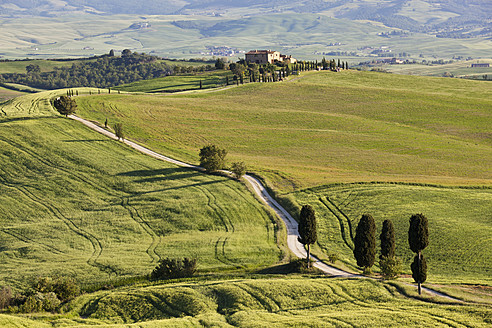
307,229
365,243
387,238
418,238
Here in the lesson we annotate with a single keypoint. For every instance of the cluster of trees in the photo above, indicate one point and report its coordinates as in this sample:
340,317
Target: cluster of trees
44,294
365,244
174,268
212,159
101,72
253,72
365,247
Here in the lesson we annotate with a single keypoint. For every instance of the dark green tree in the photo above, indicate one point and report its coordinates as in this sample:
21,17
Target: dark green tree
174,268
65,105
238,169
389,264
33,69
307,229
118,131
219,64
418,239
387,238
212,158
365,243
201,84
419,270
111,53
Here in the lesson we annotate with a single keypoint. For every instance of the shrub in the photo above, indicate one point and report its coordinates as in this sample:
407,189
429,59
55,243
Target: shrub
390,267
174,268
332,257
64,288
302,266
238,169
5,297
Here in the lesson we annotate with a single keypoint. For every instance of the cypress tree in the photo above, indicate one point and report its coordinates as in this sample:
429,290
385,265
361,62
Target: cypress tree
419,269
339,65
365,243
201,84
418,238
307,229
387,238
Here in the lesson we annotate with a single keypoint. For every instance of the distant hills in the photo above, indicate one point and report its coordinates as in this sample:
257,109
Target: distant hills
446,18
409,26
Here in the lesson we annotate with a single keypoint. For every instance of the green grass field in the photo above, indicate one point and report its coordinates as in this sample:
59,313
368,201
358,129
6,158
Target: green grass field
347,127
6,94
324,127
178,83
459,225
458,69
75,203
280,302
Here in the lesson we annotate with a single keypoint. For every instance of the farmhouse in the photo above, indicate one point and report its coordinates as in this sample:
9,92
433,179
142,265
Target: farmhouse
267,56
481,65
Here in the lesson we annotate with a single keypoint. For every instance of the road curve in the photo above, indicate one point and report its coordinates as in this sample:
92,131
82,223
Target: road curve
292,233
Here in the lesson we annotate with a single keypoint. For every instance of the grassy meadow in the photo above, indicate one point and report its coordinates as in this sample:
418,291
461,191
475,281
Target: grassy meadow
178,83
460,229
75,203
421,138
458,69
277,302
323,128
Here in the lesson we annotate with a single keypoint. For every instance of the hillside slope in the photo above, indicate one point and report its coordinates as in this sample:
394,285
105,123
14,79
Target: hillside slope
74,203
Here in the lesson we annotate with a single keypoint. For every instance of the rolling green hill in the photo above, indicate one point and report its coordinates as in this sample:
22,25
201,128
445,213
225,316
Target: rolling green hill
77,204
423,137
279,302
324,127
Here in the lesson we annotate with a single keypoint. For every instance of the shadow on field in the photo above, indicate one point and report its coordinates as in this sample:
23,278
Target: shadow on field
87,140
23,118
166,174
199,184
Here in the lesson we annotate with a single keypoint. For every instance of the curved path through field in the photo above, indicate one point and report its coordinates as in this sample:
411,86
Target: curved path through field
292,233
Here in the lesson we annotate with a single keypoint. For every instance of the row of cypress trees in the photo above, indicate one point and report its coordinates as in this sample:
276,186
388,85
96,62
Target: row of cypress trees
365,246
365,243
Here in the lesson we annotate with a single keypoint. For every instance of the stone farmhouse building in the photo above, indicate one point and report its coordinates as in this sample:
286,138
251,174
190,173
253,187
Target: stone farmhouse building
267,56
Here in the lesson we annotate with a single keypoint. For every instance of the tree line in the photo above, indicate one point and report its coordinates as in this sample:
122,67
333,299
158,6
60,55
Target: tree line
365,244
101,72
251,72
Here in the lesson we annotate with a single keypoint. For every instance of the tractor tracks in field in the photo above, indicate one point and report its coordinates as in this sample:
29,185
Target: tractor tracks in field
135,215
260,191
27,240
343,219
55,212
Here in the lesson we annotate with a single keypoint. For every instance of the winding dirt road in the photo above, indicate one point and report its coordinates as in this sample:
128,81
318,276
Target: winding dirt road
292,233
